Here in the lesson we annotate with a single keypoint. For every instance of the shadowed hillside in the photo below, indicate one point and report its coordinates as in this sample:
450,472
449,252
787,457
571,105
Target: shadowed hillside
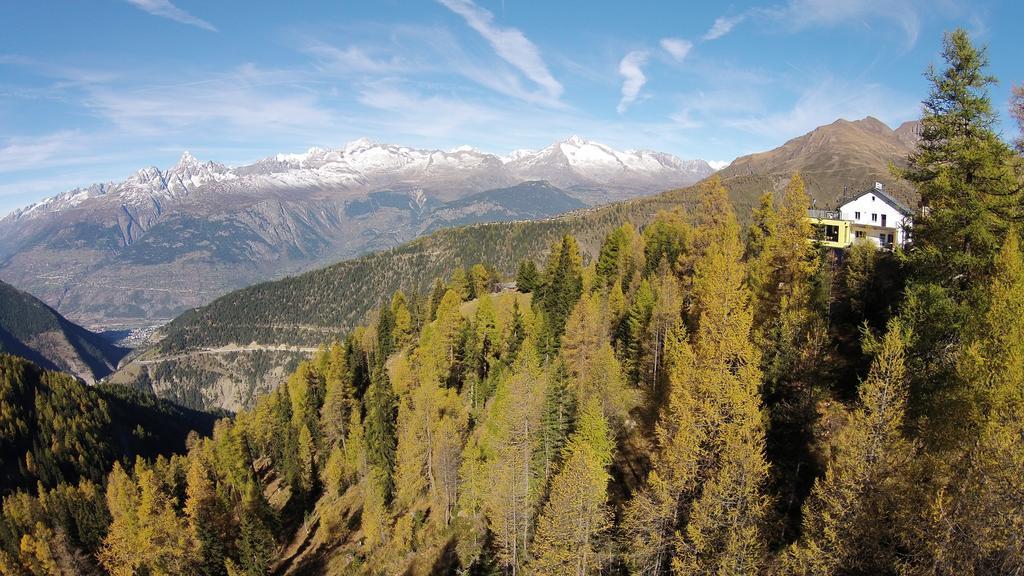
31,329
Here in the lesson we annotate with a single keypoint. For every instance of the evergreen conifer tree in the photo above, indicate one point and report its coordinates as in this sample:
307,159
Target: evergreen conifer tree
704,499
381,440
852,519
576,513
563,286
528,277
962,170
202,511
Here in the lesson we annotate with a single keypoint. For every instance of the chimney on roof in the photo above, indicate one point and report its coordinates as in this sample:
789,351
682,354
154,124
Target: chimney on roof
879,186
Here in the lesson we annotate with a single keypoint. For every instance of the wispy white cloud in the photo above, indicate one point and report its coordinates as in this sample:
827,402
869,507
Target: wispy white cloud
631,69
722,26
244,100
427,53
824,102
510,44
801,14
436,116
676,47
684,119
351,58
797,15
165,9
18,154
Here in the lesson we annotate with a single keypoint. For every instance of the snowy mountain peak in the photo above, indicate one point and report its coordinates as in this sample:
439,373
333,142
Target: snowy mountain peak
359,145
147,174
363,166
313,152
517,155
188,160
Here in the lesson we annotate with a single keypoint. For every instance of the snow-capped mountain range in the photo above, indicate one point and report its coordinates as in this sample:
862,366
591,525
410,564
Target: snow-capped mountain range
139,251
597,172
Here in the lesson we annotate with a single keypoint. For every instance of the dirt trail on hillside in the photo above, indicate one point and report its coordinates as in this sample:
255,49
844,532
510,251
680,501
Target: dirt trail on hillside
228,349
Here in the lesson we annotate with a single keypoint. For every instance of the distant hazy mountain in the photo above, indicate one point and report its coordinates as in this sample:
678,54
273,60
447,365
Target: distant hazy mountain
525,201
31,329
138,252
596,173
840,156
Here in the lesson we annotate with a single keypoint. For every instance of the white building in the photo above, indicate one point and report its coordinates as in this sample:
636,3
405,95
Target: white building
879,217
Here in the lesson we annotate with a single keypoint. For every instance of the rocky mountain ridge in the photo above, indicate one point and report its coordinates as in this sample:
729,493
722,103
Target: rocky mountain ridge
139,252
572,163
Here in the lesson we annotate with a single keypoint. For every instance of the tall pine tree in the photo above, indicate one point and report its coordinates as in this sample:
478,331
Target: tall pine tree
576,513
963,171
853,518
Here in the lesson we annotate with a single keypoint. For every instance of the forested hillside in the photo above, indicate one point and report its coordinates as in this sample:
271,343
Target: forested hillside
297,309
198,361
692,400
33,330
57,430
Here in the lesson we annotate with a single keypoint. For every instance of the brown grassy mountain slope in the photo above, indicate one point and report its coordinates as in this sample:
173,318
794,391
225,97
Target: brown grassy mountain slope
841,155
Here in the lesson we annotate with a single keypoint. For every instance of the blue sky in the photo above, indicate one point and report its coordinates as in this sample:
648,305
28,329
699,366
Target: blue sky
92,90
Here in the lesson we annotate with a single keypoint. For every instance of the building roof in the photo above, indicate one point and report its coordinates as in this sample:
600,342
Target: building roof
879,191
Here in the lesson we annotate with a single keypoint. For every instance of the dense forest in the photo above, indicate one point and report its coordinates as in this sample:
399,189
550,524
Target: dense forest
58,430
700,398
307,308
31,329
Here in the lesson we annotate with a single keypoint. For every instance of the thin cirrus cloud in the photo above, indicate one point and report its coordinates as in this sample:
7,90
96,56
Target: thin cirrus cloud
800,14
436,117
19,153
245,100
722,26
823,102
676,47
510,44
350,59
631,69
165,9
797,15
422,53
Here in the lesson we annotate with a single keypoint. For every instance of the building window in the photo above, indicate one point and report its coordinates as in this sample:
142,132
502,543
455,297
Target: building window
874,217
890,239
858,234
856,215
826,232
881,239
883,219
